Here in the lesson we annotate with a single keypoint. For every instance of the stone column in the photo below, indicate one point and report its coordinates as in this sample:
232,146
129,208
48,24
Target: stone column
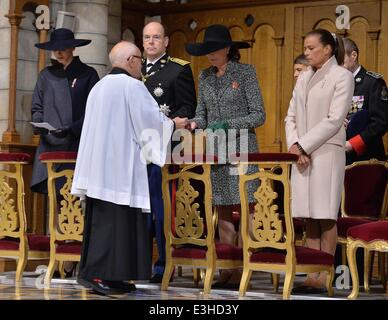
114,26
11,135
92,23
5,36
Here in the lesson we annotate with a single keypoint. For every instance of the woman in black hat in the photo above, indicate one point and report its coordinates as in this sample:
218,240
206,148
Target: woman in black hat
60,99
228,98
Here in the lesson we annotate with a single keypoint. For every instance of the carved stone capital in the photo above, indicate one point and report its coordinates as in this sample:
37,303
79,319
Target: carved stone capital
14,19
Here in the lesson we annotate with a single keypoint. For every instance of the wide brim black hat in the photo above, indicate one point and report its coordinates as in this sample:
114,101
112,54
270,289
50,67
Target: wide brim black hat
62,39
216,37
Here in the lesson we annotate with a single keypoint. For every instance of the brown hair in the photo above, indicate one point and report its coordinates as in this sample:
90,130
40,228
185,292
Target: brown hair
234,54
334,41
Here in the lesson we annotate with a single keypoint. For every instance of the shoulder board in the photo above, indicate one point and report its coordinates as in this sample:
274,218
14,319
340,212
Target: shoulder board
179,61
374,74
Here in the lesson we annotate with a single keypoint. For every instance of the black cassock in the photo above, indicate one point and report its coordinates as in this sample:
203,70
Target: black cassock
117,242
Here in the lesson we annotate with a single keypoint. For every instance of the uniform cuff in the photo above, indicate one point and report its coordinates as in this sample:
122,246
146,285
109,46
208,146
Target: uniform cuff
358,144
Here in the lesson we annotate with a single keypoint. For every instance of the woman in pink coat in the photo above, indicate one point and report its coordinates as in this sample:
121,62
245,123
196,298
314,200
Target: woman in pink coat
315,132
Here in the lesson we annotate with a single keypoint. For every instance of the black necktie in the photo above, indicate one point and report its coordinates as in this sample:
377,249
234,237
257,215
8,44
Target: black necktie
149,65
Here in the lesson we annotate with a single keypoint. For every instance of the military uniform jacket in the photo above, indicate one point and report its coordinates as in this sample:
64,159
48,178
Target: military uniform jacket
170,81
368,117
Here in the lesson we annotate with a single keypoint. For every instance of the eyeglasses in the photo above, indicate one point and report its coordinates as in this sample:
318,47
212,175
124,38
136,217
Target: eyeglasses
147,38
134,56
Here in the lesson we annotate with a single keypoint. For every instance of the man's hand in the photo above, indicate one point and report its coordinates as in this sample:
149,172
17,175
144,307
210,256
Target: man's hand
348,147
61,132
180,123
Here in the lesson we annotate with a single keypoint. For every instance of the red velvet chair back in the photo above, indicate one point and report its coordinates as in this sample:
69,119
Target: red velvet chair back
365,189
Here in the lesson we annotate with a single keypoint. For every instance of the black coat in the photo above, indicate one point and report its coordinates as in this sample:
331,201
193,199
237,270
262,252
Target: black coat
60,99
371,123
170,81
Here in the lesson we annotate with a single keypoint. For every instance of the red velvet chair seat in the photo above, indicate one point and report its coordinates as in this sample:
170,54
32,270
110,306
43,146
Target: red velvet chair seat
370,232
14,157
35,243
224,251
304,255
59,155
69,247
345,223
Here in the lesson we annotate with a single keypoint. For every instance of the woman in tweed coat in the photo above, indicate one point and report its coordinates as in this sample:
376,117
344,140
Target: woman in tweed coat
229,98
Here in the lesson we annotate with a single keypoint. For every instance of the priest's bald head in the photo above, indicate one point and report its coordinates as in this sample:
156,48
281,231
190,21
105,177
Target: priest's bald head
127,56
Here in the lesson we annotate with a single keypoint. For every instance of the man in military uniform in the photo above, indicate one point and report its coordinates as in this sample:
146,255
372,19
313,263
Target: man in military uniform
368,116
170,81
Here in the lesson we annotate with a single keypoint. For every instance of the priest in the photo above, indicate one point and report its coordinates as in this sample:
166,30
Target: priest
123,131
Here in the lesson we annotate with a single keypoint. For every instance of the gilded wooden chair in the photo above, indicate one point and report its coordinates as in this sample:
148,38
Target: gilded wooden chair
364,200
66,221
371,236
15,242
190,232
268,243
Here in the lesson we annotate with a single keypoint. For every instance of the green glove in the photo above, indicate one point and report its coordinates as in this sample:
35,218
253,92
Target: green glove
223,125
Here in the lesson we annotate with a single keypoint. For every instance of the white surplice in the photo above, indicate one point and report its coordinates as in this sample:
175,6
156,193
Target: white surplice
119,115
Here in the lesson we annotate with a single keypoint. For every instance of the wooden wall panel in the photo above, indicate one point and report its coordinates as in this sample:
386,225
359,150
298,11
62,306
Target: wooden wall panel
358,32
178,40
264,58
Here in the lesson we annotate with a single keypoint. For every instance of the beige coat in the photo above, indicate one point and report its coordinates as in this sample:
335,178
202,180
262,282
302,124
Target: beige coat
319,105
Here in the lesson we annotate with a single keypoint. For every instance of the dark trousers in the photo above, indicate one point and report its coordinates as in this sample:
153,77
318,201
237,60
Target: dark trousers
157,209
117,243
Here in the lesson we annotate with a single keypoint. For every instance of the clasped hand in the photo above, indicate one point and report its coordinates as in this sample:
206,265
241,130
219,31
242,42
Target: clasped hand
303,159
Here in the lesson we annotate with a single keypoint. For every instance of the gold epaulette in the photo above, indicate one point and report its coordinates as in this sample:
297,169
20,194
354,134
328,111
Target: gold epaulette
179,61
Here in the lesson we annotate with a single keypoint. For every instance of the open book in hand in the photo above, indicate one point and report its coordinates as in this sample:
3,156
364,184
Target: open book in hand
43,125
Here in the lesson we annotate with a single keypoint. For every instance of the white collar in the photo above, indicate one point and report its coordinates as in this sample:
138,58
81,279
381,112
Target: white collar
357,71
155,60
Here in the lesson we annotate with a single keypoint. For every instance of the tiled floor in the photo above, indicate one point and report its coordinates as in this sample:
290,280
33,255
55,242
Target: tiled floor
182,288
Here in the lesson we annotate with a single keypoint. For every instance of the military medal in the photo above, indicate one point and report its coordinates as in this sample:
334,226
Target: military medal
158,91
357,103
164,109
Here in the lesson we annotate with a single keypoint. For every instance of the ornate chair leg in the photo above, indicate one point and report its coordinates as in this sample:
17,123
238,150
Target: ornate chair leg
343,254
329,282
196,276
167,275
351,253
208,280
50,271
275,281
20,268
382,267
61,268
367,264
246,276
288,283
